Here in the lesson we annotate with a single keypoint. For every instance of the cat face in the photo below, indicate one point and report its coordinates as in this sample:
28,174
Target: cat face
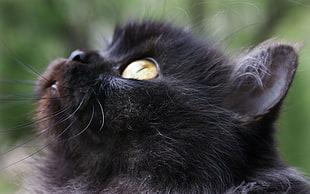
91,85
159,100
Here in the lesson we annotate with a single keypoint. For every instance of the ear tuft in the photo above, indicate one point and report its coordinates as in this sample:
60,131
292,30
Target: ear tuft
260,80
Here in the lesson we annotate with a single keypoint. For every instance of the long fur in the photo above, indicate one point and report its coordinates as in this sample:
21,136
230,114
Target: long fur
170,134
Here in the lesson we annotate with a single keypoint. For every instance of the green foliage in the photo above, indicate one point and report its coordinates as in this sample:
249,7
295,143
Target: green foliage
37,31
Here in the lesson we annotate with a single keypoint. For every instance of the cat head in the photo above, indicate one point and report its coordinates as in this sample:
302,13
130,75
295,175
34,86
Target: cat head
160,99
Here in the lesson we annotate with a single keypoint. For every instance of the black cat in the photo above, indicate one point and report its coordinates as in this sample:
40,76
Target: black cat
161,112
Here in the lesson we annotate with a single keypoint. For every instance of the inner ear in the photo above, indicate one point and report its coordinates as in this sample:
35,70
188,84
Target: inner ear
260,80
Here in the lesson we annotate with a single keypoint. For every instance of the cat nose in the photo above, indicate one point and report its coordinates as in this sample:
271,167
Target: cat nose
86,57
77,55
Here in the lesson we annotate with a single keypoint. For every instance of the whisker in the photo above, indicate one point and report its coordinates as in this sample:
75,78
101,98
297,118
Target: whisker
31,139
18,127
164,136
23,98
22,116
65,130
15,57
68,117
28,124
63,119
16,117
102,113
44,130
32,83
37,151
87,126
22,63
18,145
228,36
24,94
79,106
8,105
43,110
22,159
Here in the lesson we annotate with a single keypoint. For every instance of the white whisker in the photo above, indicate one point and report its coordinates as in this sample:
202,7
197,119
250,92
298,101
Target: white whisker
87,126
102,113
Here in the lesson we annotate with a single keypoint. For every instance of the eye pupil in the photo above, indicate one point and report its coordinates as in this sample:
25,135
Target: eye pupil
141,70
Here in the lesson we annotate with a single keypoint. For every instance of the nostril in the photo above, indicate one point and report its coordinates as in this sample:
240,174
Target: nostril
85,57
77,55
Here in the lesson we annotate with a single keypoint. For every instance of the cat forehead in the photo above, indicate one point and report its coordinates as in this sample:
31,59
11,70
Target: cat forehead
135,32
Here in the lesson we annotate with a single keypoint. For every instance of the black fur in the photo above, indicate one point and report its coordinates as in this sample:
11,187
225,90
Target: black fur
181,132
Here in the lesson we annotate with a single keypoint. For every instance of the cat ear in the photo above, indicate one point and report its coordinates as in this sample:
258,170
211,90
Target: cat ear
260,80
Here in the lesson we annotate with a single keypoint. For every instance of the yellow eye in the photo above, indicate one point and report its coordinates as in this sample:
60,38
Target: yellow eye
140,70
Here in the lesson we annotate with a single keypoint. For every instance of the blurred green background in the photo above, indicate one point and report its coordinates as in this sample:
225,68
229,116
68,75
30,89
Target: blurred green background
35,32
